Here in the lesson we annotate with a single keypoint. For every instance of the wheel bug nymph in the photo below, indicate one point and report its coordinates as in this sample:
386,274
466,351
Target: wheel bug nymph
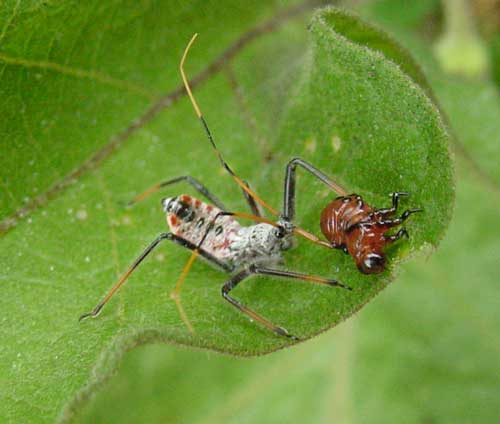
210,231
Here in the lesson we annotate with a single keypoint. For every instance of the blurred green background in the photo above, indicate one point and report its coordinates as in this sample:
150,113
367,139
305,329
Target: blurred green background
427,349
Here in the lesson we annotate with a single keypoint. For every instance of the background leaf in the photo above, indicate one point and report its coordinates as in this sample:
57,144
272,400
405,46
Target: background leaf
59,261
472,104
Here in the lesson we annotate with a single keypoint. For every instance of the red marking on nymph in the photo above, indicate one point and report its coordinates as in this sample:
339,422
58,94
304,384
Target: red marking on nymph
224,245
172,220
210,208
197,203
185,198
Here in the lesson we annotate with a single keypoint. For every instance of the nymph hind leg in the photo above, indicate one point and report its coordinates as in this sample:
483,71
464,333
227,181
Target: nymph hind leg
164,236
253,270
175,293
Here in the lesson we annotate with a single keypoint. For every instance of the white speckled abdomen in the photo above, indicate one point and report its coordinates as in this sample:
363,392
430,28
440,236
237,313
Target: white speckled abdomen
227,240
219,238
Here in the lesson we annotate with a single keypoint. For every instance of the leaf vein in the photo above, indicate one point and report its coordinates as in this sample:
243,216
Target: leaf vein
78,73
9,20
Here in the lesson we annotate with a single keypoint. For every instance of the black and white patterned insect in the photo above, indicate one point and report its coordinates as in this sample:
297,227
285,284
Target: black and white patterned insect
211,231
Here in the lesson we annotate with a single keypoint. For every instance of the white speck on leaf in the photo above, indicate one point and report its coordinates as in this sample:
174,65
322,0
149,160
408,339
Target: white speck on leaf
310,145
82,215
324,193
336,143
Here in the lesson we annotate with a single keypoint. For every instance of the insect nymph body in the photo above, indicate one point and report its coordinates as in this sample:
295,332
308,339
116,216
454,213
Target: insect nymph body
223,237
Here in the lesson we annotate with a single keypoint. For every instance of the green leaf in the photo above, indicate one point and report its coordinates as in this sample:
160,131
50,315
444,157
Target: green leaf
353,113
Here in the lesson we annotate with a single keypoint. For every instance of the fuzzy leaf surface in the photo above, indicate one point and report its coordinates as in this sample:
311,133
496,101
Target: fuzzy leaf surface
352,112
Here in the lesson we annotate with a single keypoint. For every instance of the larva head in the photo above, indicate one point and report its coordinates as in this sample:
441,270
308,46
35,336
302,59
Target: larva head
370,262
